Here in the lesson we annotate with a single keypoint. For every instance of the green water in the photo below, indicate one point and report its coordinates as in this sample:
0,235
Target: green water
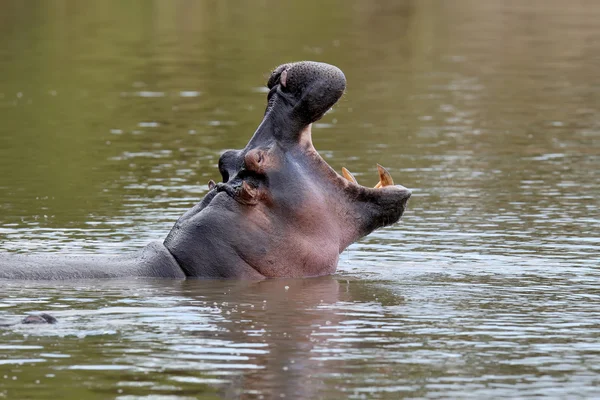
114,114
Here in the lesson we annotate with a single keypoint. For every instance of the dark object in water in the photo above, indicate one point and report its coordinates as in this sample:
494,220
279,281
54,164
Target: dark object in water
32,319
39,319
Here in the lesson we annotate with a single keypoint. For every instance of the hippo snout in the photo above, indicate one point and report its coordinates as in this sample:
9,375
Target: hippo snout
313,87
297,76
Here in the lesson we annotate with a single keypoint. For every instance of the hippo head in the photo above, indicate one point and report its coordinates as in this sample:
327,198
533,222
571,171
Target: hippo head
280,210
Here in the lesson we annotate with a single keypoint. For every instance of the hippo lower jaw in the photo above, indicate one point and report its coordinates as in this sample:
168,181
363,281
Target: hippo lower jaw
363,209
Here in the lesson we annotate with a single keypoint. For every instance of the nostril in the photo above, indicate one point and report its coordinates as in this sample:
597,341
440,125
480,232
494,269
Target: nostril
275,77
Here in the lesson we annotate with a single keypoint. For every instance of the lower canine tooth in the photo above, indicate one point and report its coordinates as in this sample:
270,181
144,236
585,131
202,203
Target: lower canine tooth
385,179
348,175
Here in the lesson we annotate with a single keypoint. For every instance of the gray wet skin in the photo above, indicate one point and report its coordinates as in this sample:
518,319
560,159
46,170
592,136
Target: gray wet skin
280,210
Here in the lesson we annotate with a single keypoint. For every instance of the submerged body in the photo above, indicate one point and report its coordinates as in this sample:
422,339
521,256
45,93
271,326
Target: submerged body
280,210
153,261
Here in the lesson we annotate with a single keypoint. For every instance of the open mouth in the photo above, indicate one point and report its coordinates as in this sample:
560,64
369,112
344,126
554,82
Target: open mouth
299,94
279,168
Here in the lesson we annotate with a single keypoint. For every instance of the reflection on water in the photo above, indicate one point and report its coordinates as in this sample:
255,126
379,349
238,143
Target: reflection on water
114,116
431,334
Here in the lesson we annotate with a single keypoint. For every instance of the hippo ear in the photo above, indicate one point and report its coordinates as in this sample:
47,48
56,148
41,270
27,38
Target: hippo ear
230,162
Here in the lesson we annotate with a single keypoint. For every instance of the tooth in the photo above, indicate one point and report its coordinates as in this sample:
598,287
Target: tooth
385,179
348,175
211,184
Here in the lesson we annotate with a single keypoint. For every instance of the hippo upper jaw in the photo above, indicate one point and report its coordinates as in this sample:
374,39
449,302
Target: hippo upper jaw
299,94
281,210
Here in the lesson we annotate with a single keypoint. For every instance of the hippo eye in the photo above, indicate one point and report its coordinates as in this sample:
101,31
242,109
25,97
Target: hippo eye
257,160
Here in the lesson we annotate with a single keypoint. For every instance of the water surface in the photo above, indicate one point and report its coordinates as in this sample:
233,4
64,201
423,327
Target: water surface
113,119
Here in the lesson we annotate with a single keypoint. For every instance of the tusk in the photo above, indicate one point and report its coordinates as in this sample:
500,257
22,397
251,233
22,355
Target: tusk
378,185
348,175
385,179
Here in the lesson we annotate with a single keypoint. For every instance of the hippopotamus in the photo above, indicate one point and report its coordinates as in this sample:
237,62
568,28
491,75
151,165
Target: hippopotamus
280,210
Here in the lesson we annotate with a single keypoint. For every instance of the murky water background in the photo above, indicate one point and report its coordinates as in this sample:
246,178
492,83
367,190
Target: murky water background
114,115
